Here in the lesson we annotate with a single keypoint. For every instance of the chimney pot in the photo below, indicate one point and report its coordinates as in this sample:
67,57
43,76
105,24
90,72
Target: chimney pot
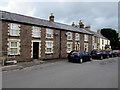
51,18
99,31
88,28
73,24
81,24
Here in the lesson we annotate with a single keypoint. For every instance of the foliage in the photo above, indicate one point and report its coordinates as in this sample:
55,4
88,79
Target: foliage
113,36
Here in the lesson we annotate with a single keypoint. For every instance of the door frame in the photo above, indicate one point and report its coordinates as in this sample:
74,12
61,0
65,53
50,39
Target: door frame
39,48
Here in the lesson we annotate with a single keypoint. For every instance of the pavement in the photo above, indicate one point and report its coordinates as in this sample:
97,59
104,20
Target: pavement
64,74
23,65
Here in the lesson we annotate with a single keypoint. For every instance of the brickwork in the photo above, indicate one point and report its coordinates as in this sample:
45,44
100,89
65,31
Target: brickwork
89,43
82,42
0,38
59,42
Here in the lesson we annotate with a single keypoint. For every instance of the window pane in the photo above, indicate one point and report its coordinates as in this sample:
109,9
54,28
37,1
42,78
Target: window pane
49,50
36,32
13,50
49,45
14,26
69,47
49,35
13,44
68,33
14,32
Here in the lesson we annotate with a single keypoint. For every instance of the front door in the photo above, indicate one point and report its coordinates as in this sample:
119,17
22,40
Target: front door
35,50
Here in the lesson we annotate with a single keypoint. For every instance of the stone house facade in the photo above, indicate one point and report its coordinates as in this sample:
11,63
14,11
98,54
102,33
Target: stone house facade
29,38
98,40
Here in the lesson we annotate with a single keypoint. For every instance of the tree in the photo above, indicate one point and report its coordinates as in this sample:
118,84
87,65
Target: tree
113,36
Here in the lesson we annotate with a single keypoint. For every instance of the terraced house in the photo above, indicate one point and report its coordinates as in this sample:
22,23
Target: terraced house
29,38
98,40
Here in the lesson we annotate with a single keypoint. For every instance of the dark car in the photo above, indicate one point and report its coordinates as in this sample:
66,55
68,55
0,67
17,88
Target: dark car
99,54
111,54
117,52
79,56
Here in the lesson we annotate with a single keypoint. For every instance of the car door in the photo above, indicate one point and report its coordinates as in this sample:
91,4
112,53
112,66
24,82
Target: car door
82,55
85,55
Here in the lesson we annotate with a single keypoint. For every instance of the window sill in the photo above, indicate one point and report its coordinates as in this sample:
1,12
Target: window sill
85,41
69,39
49,38
68,52
14,36
49,53
77,40
36,37
14,55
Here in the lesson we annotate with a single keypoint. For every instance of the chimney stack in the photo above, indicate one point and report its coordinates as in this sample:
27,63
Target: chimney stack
73,24
51,18
99,31
88,28
81,24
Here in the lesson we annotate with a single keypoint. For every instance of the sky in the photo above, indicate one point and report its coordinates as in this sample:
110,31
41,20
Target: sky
96,14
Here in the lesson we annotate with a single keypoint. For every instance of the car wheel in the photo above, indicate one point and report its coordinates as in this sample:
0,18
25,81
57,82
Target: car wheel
90,58
69,60
111,56
81,60
107,56
101,57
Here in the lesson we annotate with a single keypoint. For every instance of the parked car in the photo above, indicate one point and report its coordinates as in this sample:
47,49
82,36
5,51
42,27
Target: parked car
79,56
100,54
111,54
117,52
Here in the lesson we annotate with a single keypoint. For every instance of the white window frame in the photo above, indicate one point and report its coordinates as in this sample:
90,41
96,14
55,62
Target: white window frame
36,30
17,47
69,49
49,32
47,46
77,36
86,46
102,42
85,37
77,44
69,35
13,30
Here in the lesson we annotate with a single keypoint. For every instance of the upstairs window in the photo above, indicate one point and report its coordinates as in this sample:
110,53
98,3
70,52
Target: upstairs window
85,37
49,33
69,36
14,29
36,32
77,36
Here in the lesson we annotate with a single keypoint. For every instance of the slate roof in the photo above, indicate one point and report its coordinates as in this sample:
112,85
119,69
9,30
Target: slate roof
40,22
98,35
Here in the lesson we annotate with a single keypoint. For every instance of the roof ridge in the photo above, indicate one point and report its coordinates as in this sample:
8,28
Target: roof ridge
41,22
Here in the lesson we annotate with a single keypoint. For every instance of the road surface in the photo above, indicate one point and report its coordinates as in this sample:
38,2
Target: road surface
63,74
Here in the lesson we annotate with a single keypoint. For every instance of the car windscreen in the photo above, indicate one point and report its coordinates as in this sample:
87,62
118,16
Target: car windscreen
115,51
74,52
77,52
96,51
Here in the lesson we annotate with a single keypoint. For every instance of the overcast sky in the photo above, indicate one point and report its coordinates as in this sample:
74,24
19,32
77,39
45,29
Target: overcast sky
96,14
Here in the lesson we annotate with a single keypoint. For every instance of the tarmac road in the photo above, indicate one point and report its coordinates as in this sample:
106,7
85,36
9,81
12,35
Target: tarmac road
63,74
